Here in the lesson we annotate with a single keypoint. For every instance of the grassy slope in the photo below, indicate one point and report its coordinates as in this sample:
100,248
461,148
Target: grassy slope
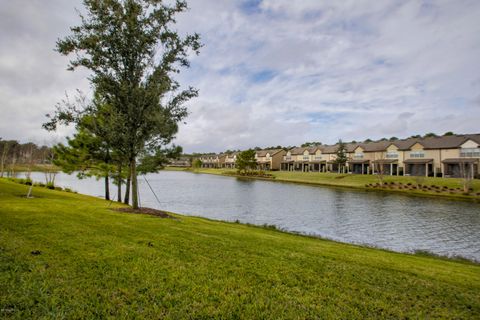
98,263
355,180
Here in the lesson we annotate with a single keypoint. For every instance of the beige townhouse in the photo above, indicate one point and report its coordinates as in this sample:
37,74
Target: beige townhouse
230,160
269,159
213,160
304,159
449,156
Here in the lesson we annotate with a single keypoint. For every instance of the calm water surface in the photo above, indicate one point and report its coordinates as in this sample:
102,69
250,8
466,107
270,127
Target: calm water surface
390,221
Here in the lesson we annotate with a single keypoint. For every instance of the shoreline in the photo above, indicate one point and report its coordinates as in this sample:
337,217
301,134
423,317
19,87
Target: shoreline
328,183
421,253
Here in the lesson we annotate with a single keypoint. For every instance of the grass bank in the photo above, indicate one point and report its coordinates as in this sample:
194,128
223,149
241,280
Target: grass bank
66,255
359,181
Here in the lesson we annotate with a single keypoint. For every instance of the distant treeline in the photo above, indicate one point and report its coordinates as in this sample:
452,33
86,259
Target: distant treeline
27,155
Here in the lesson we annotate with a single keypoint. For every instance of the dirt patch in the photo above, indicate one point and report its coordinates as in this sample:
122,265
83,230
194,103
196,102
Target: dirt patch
148,211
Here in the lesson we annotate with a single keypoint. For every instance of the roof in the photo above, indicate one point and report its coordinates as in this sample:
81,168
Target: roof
350,147
329,148
460,160
404,144
385,161
442,142
263,153
375,146
417,161
297,150
358,161
447,142
314,149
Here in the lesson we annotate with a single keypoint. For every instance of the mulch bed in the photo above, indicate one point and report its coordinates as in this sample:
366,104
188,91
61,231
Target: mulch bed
148,211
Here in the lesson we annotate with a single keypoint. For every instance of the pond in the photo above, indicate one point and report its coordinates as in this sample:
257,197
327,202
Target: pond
384,220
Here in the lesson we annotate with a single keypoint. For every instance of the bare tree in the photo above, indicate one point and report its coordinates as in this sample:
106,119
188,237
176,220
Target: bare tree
3,158
380,172
467,174
28,158
419,180
50,170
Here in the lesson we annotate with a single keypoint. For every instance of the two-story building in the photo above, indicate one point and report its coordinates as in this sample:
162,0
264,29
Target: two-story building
269,159
304,159
213,160
230,160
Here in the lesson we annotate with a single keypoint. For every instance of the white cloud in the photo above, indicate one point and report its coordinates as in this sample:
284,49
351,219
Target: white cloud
282,72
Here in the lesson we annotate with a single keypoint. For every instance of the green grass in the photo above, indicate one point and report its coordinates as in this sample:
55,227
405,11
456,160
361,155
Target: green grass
359,181
98,263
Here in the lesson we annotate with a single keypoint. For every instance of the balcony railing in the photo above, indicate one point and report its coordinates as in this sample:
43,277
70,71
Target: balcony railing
417,154
470,153
391,155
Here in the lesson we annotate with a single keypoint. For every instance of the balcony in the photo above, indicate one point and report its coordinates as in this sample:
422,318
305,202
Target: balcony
470,153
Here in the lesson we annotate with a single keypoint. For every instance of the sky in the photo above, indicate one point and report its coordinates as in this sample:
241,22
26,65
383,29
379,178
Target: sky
274,72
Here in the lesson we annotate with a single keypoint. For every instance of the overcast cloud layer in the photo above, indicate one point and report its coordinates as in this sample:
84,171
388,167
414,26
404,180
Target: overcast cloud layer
276,71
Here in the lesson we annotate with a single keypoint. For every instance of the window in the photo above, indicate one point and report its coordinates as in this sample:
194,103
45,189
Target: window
417,154
391,155
318,157
288,158
358,156
469,152
306,158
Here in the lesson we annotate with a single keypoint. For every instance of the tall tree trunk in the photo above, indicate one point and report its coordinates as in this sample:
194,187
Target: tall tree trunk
133,169
119,185
107,188
4,156
127,187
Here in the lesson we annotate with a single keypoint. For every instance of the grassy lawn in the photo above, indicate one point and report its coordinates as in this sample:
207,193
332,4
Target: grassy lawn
357,180
91,262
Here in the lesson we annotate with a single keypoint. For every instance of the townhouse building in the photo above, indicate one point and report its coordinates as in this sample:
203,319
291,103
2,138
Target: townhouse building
304,159
213,160
230,160
447,156
269,159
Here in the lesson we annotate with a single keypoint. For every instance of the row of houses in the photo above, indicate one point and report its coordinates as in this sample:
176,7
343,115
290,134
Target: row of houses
447,156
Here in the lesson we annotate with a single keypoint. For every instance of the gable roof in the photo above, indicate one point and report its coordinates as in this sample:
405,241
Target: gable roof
263,153
404,144
297,150
446,142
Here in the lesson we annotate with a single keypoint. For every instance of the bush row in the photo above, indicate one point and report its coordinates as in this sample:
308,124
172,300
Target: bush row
422,187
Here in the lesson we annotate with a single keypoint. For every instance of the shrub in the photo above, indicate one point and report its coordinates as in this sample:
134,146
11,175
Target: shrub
50,186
